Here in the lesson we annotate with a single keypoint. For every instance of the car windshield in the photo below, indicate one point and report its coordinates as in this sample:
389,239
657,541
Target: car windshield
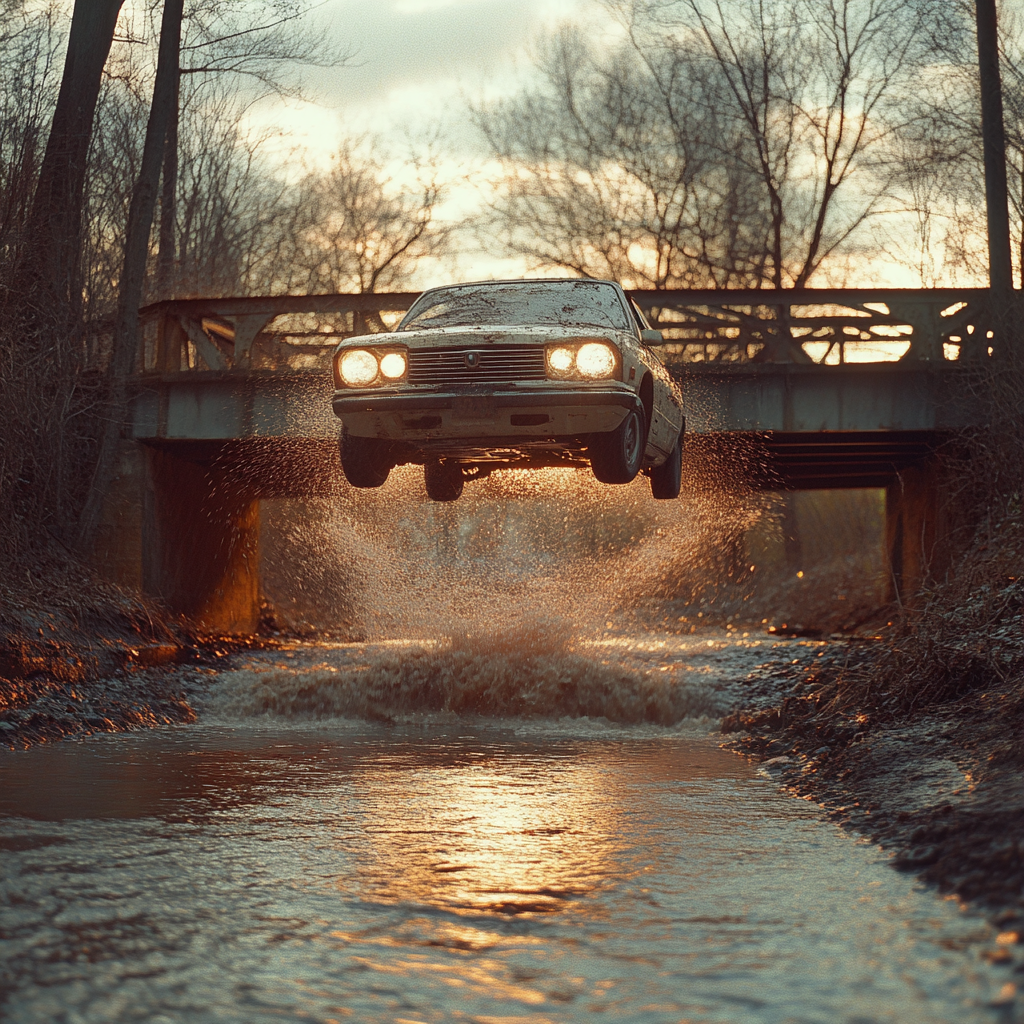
520,303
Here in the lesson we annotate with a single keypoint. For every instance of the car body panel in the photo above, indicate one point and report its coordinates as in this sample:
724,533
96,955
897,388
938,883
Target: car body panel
441,411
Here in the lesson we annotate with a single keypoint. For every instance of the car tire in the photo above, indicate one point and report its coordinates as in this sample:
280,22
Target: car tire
615,457
667,479
365,460
443,480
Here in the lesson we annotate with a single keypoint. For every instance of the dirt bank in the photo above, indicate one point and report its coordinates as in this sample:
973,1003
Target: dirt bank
99,667
941,790
79,655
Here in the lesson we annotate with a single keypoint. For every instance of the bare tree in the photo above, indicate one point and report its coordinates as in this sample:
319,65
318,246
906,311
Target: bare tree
357,229
255,54
230,217
605,174
938,180
50,267
727,142
29,44
46,396
133,268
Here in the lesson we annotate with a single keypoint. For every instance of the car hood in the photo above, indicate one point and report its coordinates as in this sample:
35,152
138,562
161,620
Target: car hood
444,337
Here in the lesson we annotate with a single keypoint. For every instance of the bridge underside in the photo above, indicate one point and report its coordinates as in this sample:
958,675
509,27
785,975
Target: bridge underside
290,467
200,526
801,461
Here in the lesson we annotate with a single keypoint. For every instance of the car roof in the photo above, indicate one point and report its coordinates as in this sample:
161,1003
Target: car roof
525,280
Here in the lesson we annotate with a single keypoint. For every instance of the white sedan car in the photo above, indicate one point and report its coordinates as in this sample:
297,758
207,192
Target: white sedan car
526,373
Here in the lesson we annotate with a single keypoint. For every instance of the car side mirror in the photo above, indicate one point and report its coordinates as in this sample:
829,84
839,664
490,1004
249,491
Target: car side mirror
652,337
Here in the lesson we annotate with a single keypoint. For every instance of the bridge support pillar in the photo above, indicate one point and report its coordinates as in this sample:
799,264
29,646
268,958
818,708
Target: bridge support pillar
200,543
918,536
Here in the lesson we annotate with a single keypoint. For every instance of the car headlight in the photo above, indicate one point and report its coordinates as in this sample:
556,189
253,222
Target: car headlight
561,361
392,365
358,368
369,367
595,360
582,360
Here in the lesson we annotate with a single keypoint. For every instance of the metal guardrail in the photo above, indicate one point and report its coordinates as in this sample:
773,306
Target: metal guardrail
827,326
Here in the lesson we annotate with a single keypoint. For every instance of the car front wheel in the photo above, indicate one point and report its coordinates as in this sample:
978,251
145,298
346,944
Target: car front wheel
615,457
444,480
365,460
667,478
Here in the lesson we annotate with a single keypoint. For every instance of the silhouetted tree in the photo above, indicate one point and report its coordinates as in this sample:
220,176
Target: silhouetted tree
725,142
354,229
49,272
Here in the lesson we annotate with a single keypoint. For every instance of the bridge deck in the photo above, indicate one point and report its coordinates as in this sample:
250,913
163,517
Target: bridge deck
804,425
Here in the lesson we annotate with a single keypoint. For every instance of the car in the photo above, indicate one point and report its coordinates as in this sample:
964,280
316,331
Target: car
497,374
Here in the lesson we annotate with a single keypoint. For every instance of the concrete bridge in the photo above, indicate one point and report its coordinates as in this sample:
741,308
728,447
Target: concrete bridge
823,388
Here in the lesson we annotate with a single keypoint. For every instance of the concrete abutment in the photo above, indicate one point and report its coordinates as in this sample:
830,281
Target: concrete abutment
919,537
181,522
200,544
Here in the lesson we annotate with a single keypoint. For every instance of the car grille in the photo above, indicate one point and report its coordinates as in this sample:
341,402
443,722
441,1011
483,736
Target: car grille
498,364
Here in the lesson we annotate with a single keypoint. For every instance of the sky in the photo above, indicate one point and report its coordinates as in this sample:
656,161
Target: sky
416,64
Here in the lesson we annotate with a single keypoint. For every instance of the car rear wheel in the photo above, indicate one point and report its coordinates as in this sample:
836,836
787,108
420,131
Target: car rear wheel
667,478
444,480
365,460
615,457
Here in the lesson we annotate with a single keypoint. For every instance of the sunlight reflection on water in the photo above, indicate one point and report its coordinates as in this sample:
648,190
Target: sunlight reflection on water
452,871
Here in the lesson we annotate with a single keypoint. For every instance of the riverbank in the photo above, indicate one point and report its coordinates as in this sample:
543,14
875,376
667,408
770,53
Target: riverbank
102,667
940,789
79,655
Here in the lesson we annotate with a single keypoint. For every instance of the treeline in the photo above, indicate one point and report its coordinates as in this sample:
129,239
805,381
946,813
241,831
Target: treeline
129,172
743,143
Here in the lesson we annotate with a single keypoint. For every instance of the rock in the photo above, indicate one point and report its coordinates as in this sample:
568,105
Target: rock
921,857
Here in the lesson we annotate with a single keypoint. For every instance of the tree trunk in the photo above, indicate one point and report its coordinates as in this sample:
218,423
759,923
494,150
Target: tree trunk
166,249
997,203
133,275
49,275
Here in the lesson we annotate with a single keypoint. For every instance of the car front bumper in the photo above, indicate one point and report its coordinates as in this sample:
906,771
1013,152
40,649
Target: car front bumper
420,416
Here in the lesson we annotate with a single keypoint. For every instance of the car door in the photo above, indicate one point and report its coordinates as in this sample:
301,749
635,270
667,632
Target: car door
666,416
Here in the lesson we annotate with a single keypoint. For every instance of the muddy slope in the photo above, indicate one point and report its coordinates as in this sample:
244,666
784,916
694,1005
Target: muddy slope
941,790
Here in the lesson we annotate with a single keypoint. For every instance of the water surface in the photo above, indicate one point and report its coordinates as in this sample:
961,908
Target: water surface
446,870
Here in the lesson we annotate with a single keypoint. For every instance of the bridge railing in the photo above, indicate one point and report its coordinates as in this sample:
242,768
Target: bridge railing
821,325
828,326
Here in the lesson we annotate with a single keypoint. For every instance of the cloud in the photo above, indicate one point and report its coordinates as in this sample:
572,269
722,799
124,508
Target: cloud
439,45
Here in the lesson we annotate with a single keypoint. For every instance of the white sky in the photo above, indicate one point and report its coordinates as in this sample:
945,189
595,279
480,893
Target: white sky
416,66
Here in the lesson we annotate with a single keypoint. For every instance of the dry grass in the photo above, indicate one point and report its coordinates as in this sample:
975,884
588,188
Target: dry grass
964,634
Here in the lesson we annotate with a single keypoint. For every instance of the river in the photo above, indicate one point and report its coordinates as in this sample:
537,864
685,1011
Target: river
506,803
288,859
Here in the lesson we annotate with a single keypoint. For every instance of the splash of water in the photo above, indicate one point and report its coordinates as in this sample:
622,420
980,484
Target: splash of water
500,598
532,669
521,541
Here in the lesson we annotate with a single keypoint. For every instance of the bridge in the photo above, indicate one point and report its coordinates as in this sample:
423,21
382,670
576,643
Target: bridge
821,388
